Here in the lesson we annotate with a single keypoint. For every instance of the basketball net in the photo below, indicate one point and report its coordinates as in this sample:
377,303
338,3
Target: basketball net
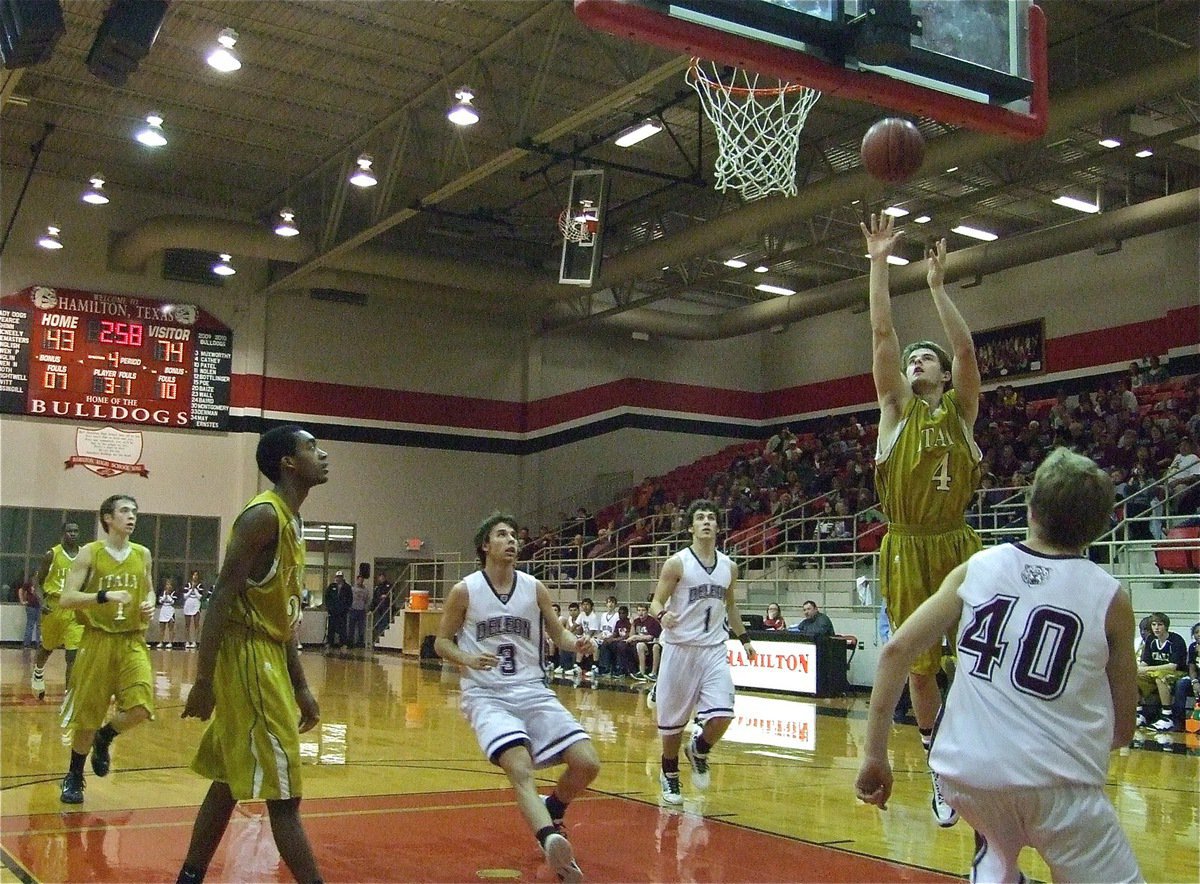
579,226
758,127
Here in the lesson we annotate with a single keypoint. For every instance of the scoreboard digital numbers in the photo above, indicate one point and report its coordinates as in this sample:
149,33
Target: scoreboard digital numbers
113,358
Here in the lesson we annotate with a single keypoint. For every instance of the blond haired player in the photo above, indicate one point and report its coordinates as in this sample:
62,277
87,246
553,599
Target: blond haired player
249,677
109,584
927,462
60,627
1046,688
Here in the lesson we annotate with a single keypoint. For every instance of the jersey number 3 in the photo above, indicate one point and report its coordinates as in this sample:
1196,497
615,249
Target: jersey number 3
1045,652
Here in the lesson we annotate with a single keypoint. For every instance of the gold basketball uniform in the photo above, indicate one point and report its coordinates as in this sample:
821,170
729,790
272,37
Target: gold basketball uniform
113,660
253,741
925,475
60,627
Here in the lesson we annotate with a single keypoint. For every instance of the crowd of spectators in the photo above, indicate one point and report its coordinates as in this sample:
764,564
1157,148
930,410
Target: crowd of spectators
817,487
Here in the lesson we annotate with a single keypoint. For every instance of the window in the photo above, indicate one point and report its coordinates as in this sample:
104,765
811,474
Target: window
329,548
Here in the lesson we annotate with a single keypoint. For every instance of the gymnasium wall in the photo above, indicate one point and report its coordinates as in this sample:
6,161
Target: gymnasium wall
433,418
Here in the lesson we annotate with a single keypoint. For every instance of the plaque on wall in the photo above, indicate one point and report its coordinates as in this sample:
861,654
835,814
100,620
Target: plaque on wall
1012,351
81,355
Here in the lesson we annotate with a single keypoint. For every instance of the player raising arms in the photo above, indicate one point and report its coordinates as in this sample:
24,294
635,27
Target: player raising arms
1046,687
248,674
927,462
694,602
492,627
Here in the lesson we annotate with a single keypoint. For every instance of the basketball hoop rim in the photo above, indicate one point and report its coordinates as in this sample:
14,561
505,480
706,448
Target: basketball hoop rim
696,73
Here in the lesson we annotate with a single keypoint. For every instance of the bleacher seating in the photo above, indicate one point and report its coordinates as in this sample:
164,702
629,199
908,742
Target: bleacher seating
1176,555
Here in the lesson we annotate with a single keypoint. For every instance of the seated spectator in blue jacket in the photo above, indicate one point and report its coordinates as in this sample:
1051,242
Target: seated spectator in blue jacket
815,624
1189,685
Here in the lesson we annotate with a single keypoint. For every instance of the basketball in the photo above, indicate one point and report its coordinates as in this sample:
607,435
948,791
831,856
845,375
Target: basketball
893,150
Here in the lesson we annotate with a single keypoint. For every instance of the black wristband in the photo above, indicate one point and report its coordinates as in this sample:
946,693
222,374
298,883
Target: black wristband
102,597
744,639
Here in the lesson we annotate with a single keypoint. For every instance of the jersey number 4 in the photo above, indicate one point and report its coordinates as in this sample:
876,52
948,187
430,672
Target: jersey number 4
1046,650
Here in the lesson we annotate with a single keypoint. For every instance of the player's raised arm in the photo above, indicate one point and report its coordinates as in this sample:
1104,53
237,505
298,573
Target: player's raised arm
1121,667
891,386
964,366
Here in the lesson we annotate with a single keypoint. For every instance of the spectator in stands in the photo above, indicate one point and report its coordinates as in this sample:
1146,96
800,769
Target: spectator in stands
1155,372
774,618
1183,479
815,624
614,629
567,664
590,620
553,652
1163,663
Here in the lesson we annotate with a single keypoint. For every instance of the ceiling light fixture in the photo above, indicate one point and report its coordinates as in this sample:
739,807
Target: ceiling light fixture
287,223
463,113
638,132
922,219
735,263
50,239
894,259
222,58
952,169
1143,153
974,233
95,195
895,211
1110,143
774,289
364,177
223,267
1078,205
761,268
151,134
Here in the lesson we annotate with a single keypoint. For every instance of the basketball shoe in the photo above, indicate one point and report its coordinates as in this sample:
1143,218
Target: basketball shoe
101,759
701,778
37,683
561,858
945,815
72,788
670,788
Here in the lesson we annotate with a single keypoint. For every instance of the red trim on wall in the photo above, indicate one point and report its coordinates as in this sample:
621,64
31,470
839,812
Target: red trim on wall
340,401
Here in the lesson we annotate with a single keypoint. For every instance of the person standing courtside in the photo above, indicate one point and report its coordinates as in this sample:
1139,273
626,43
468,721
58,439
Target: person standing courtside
1045,689
492,628
113,661
60,627
694,603
249,678
927,463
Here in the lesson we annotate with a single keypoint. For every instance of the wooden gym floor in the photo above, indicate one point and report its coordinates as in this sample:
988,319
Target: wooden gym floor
396,790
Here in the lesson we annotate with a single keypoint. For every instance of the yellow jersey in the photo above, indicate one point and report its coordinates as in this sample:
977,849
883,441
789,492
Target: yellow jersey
928,471
271,606
52,586
109,574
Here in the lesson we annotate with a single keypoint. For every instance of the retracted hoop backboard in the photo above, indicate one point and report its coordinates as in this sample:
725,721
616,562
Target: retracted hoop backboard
582,227
979,64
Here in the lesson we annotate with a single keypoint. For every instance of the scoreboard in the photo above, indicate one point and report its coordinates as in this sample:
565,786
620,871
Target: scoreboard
113,358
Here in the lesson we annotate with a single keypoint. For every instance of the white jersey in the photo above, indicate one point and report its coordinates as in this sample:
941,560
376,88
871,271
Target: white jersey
511,630
699,602
1030,705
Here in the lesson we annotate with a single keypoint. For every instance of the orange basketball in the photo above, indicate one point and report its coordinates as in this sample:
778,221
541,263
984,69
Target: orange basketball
893,150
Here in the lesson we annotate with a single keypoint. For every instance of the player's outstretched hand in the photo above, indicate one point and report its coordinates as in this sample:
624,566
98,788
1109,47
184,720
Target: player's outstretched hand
200,701
874,783
935,275
310,713
881,236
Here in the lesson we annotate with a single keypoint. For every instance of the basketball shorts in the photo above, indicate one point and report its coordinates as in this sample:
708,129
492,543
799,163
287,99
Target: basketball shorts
252,743
911,568
60,629
692,678
108,665
1073,827
528,713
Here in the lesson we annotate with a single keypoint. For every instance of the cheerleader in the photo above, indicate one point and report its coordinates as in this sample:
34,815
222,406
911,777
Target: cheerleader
193,592
166,615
